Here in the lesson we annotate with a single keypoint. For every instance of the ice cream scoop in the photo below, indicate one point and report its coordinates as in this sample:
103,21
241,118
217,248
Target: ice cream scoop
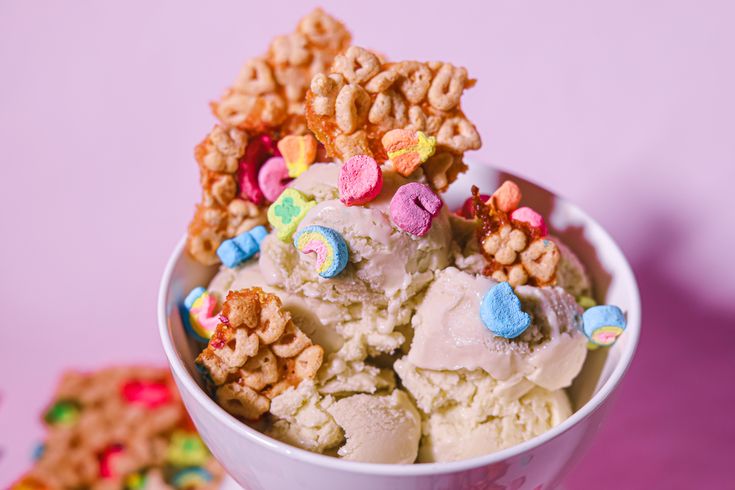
449,333
379,429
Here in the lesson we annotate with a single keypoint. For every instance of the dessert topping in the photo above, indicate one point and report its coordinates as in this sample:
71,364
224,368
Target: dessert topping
501,312
413,207
328,245
257,354
408,149
360,180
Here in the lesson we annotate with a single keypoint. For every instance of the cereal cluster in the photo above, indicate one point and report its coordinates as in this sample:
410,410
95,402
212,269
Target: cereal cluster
265,103
120,428
256,353
515,252
352,107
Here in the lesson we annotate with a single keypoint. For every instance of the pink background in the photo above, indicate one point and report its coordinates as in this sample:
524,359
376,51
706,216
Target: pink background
626,107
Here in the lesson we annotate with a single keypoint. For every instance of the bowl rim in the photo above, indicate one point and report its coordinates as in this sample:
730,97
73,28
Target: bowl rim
180,372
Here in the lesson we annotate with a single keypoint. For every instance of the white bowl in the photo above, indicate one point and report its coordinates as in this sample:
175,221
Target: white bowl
257,461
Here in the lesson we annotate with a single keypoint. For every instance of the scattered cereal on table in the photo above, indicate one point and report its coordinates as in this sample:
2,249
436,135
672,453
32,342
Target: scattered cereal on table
122,427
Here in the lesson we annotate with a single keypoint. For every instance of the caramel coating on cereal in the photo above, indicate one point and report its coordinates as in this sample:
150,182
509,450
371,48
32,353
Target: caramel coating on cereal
514,252
266,98
71,457
362,98
269,91
222,213
256,353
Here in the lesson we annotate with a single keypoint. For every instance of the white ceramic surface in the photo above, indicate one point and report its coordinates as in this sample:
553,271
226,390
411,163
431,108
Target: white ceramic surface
258,462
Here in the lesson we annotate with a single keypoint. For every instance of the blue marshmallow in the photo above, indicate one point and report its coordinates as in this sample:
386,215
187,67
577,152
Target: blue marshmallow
602,316
247,244
184,312
38,451
193,295
244,246
259,233
500,311
230,254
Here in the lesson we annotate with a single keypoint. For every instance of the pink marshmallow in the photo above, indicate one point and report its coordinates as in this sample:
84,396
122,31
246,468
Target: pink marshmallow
413,207
273,178
360,180
531,218
468,208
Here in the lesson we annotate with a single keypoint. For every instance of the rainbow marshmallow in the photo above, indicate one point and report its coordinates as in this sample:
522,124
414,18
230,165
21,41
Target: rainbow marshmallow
603,324
329,246
198,313
192,477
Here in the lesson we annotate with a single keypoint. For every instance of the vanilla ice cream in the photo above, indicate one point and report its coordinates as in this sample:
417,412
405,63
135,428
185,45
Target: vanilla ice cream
409,306
401,364
449,334
386,266
460,431
379,429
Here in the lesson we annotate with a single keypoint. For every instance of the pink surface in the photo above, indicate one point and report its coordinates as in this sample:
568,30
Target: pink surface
626,108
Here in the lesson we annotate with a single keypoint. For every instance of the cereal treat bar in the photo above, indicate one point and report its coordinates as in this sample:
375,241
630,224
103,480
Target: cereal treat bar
514,240
265,104
256,353
362,98
118,428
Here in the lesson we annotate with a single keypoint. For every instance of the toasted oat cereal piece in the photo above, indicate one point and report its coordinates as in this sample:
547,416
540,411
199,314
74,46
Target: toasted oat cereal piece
516,251
265,104
362,98
128,426
223,212
256,353
269,91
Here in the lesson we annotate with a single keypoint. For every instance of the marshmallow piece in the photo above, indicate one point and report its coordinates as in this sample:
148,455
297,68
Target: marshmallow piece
507,197
244,246
259,233
500,311
246,243
360,180
185,312
186,449
329,246
298,152
202,317
413,207
107,460
38,451
531,218
193,477
193,295
468,208
230,254
586,302
150,394
63,412
237,250
603,324
287,212
408,149
273,178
